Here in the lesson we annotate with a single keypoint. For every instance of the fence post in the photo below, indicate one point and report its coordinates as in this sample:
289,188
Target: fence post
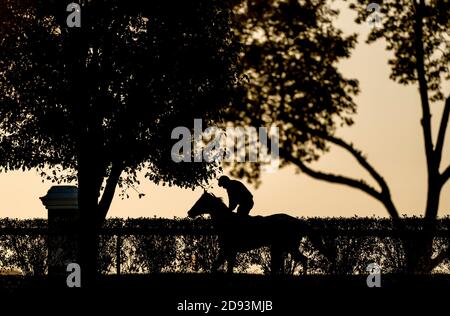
118,246
61,202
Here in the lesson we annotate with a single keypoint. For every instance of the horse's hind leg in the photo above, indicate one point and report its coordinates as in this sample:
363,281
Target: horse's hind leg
219,261
299,257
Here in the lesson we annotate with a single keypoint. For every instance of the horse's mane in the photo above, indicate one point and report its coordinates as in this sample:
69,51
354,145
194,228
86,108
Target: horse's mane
219,199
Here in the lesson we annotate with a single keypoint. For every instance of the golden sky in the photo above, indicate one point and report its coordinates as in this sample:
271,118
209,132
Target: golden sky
387,129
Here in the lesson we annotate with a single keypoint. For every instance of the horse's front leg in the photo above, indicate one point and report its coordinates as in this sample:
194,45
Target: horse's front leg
231,261
219,261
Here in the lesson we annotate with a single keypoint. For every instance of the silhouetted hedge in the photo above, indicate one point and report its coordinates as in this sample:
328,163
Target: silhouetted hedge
27,252
182,245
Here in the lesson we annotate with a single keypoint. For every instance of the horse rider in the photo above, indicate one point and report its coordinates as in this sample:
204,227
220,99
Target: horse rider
238,194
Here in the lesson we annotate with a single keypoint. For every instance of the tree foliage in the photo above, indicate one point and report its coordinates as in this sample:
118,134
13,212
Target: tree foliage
399,30
290,54
115,87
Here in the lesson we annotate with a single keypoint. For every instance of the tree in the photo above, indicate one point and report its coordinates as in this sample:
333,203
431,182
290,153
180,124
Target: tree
97,103
414,30
289,62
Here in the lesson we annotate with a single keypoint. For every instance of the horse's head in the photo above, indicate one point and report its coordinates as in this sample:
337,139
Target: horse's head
205,205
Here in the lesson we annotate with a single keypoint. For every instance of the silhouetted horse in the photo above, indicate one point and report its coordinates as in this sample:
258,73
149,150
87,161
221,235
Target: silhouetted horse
281,232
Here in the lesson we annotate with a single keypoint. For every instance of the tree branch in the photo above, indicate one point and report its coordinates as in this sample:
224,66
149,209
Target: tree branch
383,196
420,68
442,130
110,188
358,156
445,175
358,184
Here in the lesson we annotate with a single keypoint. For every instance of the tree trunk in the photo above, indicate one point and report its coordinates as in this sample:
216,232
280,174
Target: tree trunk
419,247
93,211
89,182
